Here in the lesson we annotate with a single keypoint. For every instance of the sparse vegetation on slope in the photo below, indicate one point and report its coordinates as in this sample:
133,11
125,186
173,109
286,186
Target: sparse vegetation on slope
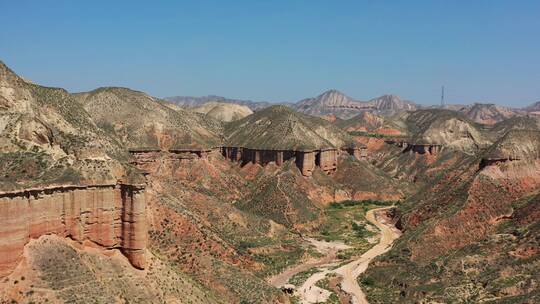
140,121
281,128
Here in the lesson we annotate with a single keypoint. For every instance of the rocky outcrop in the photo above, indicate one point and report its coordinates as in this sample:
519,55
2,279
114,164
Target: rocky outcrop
112,216
402,143
495,161
412,147
144,159
357,152
306,161
432,149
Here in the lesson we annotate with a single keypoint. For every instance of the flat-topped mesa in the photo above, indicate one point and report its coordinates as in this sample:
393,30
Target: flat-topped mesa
111,215
278,133
306,161
515,145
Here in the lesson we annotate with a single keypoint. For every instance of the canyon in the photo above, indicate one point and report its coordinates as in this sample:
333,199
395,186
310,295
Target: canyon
126,197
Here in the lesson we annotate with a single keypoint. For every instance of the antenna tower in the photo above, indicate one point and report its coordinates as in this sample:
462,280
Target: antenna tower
442,97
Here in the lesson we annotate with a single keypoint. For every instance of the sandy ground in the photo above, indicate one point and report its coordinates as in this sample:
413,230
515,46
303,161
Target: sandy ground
328,248
351,271
310,293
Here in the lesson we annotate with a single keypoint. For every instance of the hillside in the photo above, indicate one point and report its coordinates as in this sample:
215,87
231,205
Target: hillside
47,137
391,104
533,108
329,102
488,114
225,112
516,145
54,266
215,229
480,220
336,103
281,128
498,130
192,102
447,128
372,123
140,121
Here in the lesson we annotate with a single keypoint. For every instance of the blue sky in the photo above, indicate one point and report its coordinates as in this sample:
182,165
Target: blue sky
281,50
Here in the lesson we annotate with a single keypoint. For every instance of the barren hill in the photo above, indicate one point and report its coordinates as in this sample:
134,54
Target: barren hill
373,123
281,128
516,145
345,107
46,137
534,108
488,113
445,127
390,104
140,121
329,102
192,102
480,217
223,111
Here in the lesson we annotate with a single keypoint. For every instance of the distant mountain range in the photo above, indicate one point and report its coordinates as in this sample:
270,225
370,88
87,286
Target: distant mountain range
329,102
343,106
535,107
335,103
192,102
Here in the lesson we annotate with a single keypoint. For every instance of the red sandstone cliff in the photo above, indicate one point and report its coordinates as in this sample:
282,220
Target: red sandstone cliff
112,216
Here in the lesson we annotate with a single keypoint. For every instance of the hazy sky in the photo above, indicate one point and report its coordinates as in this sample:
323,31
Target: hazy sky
281,50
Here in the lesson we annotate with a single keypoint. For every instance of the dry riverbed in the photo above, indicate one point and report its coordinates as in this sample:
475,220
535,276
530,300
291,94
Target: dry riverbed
316,270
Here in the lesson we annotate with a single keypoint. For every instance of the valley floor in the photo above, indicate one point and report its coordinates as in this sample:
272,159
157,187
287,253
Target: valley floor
319,270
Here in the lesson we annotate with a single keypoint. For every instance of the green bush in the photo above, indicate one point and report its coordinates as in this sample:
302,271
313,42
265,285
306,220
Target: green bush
351,203
368,281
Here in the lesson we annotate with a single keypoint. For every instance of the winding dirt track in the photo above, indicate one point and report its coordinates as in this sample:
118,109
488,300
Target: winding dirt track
351,271
310,293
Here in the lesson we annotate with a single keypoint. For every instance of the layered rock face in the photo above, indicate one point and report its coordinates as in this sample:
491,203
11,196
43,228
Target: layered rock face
412,147
112,216
358,153
147,159
424,148
306,161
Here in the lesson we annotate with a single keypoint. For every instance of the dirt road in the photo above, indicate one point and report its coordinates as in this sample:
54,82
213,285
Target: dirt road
310,293
351,271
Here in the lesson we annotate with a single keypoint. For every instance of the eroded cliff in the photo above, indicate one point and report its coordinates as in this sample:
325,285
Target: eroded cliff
112,216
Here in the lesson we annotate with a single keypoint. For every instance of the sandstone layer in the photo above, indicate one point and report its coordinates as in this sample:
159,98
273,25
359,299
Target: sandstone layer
112,216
